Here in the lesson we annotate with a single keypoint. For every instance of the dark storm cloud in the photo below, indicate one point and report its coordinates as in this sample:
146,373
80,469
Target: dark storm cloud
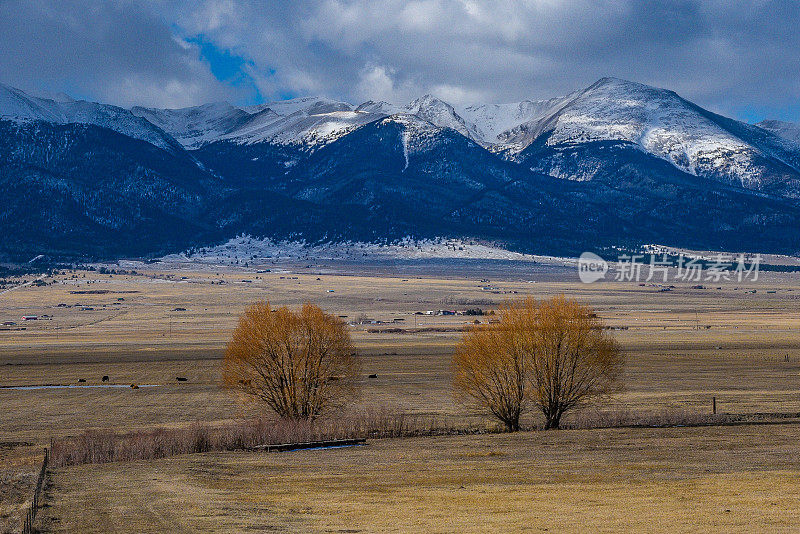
738,58
111,51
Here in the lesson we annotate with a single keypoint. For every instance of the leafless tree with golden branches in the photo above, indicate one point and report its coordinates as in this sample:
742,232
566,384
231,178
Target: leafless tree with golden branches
554,355
300,364
574,358
489,366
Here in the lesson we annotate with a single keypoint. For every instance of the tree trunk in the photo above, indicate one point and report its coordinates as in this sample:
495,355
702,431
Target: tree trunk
512,425
552,420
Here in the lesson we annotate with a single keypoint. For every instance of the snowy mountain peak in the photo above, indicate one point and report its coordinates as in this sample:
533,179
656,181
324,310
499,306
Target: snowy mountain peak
438,112
307,104
412,123
315,125
606,81
492,124
19,106
663,124
370,106
428,100
539,133
197,125
63,97
16,104
307,121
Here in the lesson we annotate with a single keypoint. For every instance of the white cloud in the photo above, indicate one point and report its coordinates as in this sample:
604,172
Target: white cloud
375,83
459,96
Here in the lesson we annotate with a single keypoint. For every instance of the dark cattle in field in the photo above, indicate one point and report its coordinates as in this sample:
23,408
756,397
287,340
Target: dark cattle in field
81,380
180,378
373,376
105,378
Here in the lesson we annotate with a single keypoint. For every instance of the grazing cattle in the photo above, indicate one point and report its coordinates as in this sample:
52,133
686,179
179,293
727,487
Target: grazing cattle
180,378
105,378
373,376
134,386
81,380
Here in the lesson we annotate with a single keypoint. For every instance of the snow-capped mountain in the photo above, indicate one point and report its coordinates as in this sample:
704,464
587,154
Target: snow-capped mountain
618,163
382,107
488,122
389,155
439,113
18,106
306,122
315,121
657,122
195,126
315,125
304,104
787,130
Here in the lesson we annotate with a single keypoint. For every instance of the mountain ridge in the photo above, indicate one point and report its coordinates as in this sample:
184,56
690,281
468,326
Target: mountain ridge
615,164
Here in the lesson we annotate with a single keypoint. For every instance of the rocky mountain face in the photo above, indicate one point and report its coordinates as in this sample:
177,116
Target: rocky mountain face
616,164
79,189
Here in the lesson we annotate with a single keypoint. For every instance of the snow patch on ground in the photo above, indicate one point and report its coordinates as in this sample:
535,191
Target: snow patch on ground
246,249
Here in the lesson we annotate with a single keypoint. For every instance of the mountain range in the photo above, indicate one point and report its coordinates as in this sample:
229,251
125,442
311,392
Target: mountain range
618,164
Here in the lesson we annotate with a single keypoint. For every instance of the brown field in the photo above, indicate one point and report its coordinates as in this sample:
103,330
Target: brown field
717,479
682,348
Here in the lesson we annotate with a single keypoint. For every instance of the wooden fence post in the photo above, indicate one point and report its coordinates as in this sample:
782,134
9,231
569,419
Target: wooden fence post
30,517
714,405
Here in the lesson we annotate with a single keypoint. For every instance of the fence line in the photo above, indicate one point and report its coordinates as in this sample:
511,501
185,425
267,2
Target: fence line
30,517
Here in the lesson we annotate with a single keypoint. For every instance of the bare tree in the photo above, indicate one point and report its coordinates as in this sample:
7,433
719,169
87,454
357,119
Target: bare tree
300,364
554,355
572,358
489,366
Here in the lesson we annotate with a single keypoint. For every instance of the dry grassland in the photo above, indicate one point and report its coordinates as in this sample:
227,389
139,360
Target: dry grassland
714,479
683,346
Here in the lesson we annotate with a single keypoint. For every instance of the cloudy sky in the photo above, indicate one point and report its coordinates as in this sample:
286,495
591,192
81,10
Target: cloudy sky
735,57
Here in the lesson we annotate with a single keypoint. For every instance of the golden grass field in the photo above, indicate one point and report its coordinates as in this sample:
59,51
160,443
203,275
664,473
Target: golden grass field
717,479
682,347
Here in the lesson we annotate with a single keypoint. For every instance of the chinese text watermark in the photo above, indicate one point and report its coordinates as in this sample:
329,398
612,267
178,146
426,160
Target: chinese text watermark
669,268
